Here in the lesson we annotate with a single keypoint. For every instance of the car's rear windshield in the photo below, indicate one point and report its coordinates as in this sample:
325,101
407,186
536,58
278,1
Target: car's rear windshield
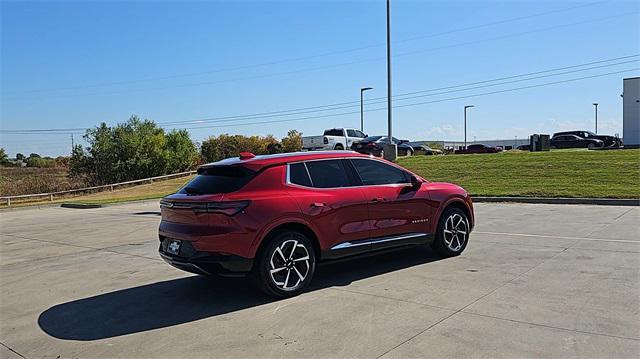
334,132
218,179
371,138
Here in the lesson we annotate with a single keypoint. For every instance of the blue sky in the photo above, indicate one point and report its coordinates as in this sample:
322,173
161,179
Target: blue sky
75,64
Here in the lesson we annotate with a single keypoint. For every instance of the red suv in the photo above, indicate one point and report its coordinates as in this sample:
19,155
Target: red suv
276,216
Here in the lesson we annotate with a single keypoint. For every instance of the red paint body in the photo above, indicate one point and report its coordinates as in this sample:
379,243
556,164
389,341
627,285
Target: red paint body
333,215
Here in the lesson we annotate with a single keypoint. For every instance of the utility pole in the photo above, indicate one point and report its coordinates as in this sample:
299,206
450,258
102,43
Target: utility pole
465,125
390,149
595,104
72,144
362,90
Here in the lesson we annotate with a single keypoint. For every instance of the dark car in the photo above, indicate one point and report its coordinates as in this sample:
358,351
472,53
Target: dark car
374,145
573,141
609,141
479,148
275,217
425,150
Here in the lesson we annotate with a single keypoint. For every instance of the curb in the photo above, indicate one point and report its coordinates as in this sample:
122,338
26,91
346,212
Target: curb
80,205
560,200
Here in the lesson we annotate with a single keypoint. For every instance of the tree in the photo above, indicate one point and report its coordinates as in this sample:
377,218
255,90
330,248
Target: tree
19,156
34,155
216,148
182,153
4,159
131,150
293,141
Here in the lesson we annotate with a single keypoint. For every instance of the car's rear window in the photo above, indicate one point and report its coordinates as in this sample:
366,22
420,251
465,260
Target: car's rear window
298,175
219,179
371,138
334,132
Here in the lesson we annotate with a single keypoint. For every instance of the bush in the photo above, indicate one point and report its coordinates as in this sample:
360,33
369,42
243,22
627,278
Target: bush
216,148
133,150
41,162
293,142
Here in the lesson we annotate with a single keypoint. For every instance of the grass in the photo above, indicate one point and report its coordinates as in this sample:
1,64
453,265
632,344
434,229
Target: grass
26,180
558,173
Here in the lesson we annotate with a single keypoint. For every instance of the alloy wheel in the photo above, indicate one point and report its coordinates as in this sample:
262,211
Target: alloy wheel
289,265
456,230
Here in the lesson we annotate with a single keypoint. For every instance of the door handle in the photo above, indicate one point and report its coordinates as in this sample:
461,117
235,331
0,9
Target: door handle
378,199
318,204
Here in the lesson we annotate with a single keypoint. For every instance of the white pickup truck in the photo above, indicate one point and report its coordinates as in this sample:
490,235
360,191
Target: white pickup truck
333,139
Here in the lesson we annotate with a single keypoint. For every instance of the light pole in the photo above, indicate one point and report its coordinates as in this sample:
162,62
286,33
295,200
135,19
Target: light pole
595,104
465,124
390,149
362,90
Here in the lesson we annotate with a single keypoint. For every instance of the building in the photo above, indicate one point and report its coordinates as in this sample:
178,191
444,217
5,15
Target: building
631,112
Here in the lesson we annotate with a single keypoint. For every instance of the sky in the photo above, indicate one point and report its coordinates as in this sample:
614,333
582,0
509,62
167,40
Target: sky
211,66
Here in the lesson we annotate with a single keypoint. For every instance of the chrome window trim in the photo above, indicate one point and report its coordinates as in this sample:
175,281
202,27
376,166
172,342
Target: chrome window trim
289,183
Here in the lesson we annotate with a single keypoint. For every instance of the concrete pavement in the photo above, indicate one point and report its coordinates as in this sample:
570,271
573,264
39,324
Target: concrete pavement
535,281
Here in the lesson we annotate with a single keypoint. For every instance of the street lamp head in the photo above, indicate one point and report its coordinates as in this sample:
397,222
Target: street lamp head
366,88
469,106
595,104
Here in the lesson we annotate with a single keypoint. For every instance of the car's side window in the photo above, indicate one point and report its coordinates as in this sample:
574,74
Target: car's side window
351,133
360,134
374,172
298,175
328,174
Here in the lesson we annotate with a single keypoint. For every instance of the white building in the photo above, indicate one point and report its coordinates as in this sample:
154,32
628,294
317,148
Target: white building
631,112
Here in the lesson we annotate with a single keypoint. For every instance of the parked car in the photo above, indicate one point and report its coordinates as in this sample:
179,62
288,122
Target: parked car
374,145
573,141
478,148
333,139
608,141
425,150
275,217
524,147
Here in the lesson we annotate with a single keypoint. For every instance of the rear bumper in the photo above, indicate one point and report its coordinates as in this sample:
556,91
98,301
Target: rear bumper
207,263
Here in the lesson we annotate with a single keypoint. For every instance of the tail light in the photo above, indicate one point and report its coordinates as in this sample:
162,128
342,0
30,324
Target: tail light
325,140
229,208
371,144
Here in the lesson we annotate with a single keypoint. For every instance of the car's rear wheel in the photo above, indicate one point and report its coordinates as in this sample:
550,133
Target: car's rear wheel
591,146
453,232
286,265
409,153
339,147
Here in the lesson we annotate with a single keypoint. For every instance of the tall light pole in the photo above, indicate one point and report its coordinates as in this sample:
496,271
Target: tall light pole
465,124
595,104
362,90
390,151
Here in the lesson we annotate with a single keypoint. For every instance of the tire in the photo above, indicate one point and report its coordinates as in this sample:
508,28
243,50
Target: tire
591,146
452,234
409,153
339,147
276,273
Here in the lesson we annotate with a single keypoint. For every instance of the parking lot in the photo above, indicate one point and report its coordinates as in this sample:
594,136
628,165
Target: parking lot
535,281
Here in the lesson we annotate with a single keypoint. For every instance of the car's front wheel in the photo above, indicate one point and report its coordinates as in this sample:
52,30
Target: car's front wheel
453,232
286,265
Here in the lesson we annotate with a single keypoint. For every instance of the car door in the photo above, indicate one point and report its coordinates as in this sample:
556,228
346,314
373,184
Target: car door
352,137
560,142
397,209
337,210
